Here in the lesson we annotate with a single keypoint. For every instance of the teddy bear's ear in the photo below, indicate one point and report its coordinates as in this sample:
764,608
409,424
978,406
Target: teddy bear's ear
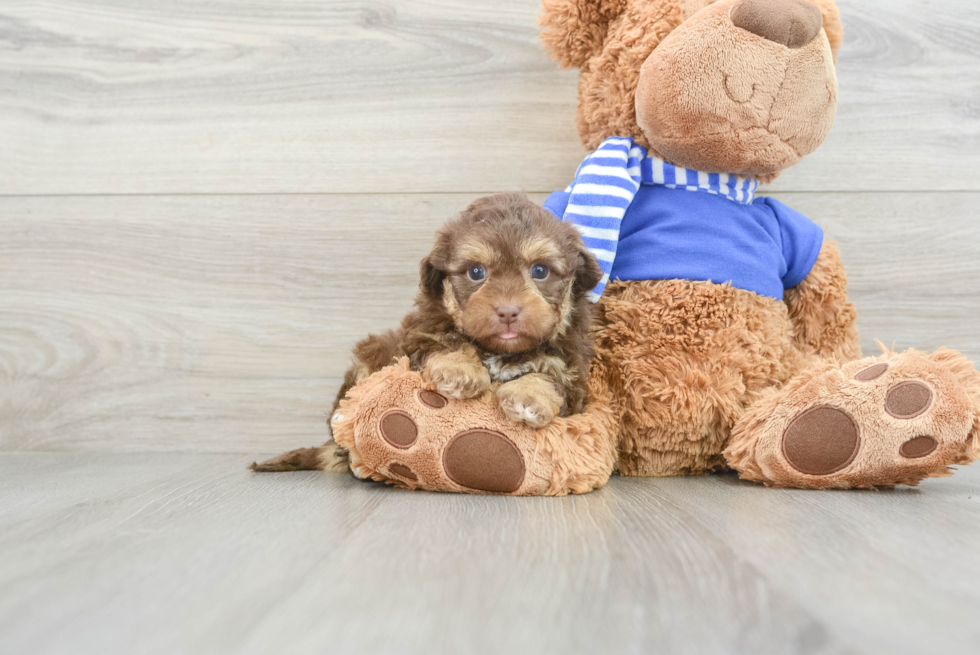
574,30
831,24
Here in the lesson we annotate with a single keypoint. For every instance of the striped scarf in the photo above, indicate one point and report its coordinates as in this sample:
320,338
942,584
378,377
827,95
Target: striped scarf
607,181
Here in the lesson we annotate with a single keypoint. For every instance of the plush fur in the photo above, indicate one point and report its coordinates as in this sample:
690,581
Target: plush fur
693,377
700,93
570,455
689,362
755,444
453,335
685,359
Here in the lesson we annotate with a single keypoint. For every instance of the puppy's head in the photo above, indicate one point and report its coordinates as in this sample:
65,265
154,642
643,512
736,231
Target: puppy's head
510,274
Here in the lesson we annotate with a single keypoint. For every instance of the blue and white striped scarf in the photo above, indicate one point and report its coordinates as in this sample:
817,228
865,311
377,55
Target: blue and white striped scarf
607,181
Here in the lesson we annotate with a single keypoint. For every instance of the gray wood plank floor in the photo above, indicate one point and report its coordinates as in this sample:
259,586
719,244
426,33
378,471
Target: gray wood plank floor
202,206
224,323
190,553
284,96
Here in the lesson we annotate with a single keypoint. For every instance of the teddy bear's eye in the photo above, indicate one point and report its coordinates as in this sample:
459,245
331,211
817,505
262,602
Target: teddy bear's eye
539,271
476,273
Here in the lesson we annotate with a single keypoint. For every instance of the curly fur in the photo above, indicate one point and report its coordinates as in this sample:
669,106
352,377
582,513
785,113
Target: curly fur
689,377
685,360
449,335
824,320
436,326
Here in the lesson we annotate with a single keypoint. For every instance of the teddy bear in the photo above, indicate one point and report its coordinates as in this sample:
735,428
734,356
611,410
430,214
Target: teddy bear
724,337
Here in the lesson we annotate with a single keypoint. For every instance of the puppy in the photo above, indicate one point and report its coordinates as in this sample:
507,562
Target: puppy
502,307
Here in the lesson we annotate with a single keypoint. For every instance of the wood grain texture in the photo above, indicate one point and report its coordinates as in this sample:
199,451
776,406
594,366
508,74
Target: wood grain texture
190,553
283,96
904,559
225,323
205,557
141,310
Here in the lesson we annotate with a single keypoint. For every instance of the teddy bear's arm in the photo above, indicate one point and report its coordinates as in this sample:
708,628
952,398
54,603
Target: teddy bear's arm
824,320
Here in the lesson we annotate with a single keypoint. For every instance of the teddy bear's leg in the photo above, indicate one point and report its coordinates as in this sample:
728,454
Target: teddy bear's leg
399,430
685,359
874,423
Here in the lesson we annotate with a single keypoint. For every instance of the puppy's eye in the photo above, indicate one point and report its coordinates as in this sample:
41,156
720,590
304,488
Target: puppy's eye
539,271
476,273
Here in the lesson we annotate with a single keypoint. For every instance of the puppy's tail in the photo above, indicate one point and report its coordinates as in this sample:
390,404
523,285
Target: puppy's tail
328,457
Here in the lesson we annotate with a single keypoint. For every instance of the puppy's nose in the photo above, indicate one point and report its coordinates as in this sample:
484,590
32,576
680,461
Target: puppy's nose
508,313
793,23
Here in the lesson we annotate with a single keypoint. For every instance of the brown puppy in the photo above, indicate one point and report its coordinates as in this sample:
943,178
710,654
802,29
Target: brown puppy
502,307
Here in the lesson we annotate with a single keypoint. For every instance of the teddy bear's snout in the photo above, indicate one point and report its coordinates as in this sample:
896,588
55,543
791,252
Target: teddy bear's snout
793,23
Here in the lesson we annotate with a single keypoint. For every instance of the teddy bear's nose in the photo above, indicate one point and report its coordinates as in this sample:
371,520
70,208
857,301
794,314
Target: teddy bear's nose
793,23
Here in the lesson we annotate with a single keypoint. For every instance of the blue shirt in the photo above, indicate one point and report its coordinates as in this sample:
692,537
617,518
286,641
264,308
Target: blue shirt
675,233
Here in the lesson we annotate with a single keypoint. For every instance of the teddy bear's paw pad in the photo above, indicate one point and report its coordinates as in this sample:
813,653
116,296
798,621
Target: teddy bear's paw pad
485,461
398,428
822,440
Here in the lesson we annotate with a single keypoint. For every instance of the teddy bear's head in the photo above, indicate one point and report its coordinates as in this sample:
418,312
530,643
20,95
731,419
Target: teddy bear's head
736,86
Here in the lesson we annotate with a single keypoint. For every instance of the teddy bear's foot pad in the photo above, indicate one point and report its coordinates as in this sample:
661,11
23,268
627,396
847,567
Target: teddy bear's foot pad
821,440
484,460
875,423
401,432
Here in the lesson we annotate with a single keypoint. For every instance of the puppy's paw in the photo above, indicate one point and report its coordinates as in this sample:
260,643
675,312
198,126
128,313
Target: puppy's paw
531,399
457,375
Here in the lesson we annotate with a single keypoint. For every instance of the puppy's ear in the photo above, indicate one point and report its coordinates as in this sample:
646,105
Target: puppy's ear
587,273
432,270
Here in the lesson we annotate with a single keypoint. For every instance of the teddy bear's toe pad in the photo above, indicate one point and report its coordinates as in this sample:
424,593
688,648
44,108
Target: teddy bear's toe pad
917,447
402,471
871,373
398,428
484,460
432,399
908,399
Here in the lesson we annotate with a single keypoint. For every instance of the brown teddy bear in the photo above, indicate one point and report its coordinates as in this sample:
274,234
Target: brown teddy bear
724,337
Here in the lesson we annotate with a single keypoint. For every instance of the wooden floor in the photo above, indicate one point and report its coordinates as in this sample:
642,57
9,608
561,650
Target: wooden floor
204,204
191,553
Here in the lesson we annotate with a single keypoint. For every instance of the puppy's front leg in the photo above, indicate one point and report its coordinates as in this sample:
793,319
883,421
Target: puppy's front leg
532,399
457,373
